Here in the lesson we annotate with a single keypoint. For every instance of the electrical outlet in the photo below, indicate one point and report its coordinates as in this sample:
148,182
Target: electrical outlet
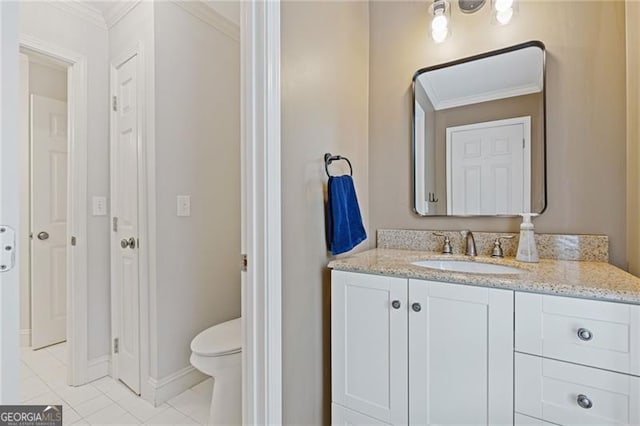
99,206
184,205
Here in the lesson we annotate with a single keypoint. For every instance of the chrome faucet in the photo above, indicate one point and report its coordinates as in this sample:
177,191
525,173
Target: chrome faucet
470,243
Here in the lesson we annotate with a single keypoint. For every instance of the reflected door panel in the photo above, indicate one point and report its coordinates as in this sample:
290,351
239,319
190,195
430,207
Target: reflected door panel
487,172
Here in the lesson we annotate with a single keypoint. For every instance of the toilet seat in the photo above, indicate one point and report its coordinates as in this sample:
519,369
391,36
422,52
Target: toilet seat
219,340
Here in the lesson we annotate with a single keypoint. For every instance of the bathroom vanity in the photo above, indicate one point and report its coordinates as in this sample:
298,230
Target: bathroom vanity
557,342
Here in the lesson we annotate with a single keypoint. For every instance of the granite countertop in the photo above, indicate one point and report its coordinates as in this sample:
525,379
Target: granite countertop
590,280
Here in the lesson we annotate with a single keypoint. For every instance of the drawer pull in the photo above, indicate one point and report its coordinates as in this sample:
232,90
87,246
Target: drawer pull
584,402
584,334
395,304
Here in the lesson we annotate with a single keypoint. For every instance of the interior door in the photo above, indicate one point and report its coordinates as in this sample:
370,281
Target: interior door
48,221
124,196
487,168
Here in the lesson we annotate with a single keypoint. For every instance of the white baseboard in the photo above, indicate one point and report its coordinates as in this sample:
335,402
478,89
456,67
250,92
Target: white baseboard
174,384
25,338
98,368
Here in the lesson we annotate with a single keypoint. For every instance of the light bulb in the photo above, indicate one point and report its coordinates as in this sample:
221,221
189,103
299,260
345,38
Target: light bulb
503,5
439,22
504,16
439,35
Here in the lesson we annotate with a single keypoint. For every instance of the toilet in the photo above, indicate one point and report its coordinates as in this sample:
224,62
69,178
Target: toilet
217,352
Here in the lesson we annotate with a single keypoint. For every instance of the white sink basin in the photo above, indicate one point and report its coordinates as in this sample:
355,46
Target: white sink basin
469,267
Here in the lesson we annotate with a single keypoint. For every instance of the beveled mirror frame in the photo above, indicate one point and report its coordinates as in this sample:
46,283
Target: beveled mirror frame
533,43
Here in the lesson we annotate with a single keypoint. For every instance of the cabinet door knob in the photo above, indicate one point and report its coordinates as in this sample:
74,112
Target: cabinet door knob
584,334
124,243
416,307
43,236
584,402
396,304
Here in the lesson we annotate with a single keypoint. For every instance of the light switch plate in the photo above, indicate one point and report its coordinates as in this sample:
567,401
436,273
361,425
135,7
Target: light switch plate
183,205
99,206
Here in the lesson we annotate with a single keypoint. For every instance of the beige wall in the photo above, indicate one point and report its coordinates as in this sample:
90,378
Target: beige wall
633,135
325,63
197,105
586,134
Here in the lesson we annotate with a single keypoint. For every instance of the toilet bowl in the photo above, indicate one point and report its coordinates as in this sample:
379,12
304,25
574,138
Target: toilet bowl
217,352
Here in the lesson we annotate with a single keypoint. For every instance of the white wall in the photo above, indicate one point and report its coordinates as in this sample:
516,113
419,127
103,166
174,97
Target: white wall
46,21
197,154
47,81
230,9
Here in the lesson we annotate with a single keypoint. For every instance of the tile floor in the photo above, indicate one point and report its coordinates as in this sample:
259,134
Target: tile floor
105,401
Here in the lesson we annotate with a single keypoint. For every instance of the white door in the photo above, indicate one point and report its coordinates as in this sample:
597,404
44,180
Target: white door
124,196
341,416
369,345
488,168
460,354
48,221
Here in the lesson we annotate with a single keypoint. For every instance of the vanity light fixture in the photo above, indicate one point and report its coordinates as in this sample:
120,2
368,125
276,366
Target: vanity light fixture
503,10
440,10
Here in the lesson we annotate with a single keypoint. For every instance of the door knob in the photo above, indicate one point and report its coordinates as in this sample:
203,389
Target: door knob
43,235
132,243
124,243
416,307
396,304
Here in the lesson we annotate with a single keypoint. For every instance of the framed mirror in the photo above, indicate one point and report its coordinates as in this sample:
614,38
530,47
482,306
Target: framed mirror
479,134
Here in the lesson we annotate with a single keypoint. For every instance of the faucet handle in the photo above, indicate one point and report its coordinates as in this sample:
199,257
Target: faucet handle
446,248
497,245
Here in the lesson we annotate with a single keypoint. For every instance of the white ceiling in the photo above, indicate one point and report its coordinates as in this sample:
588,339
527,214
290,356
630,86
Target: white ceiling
515,73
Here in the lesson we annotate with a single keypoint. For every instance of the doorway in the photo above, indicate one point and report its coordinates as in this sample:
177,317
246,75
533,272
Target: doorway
43,181
43,200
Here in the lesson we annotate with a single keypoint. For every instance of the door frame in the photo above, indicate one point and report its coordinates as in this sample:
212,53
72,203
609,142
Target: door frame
261,212
526,123
145,216
77,262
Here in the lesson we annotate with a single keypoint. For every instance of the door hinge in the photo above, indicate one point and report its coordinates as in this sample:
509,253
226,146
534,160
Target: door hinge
115,103
116,345
73,241
115,224
7,248
245,263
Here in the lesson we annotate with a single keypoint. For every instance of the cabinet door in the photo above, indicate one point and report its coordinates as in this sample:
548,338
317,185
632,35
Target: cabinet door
341,416
369,345
460,354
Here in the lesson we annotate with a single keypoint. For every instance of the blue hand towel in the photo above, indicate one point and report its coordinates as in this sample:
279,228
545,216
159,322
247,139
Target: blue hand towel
344,221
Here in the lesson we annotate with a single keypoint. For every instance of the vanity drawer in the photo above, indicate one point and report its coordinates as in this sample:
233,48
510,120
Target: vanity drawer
564,393
590,332
522,420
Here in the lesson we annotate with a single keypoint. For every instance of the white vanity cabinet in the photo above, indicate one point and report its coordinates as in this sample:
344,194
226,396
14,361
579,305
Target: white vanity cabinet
460,354
420,352
369,349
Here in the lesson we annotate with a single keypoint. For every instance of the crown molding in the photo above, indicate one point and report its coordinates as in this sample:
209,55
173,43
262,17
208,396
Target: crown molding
206,14
81,10
119,10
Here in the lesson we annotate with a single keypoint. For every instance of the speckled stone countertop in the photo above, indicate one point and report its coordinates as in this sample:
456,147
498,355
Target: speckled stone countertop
590,280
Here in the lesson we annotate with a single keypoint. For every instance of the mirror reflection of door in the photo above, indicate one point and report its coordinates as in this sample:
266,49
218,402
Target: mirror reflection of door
488,168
